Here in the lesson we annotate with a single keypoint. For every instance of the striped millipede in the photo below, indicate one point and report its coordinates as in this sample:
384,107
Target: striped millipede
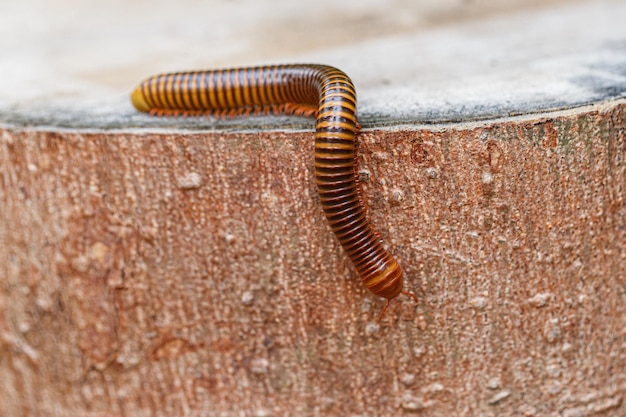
309,90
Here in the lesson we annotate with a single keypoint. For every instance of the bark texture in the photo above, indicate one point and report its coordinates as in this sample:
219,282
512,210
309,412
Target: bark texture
193,273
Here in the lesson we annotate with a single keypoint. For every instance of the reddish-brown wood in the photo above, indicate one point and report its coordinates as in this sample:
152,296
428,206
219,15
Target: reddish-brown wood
192,273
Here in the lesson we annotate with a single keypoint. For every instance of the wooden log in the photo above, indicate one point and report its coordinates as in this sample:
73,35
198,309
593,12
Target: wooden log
184,267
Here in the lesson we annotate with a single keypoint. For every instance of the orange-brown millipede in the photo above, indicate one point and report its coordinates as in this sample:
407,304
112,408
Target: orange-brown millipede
303,89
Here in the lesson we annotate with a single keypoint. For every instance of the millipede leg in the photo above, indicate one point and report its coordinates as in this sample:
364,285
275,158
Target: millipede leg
382,313
410,294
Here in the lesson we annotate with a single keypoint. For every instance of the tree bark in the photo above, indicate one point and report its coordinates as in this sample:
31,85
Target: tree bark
193,273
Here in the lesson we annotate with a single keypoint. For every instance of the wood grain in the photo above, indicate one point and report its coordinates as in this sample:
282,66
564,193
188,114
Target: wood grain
153,274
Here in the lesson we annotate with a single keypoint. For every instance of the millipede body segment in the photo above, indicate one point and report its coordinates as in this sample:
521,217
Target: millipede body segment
310,90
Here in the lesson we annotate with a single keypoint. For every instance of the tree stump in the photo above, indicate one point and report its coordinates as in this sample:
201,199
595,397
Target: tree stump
183,267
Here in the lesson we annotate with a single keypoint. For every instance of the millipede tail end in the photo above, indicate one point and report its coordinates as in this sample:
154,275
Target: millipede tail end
139,100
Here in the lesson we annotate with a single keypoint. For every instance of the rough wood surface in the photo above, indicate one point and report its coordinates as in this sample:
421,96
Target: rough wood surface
183,267
193,273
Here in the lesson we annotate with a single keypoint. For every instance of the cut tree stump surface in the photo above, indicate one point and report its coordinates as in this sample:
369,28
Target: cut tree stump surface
183,267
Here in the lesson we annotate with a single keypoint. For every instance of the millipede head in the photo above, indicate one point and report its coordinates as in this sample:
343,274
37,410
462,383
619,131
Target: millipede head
385,280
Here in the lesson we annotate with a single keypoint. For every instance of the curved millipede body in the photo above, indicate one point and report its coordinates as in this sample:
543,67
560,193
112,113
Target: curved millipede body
319,90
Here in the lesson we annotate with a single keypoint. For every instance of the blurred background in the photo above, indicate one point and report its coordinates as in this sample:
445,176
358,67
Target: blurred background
413,56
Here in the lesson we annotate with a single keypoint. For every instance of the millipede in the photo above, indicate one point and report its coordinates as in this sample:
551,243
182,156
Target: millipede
321,91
